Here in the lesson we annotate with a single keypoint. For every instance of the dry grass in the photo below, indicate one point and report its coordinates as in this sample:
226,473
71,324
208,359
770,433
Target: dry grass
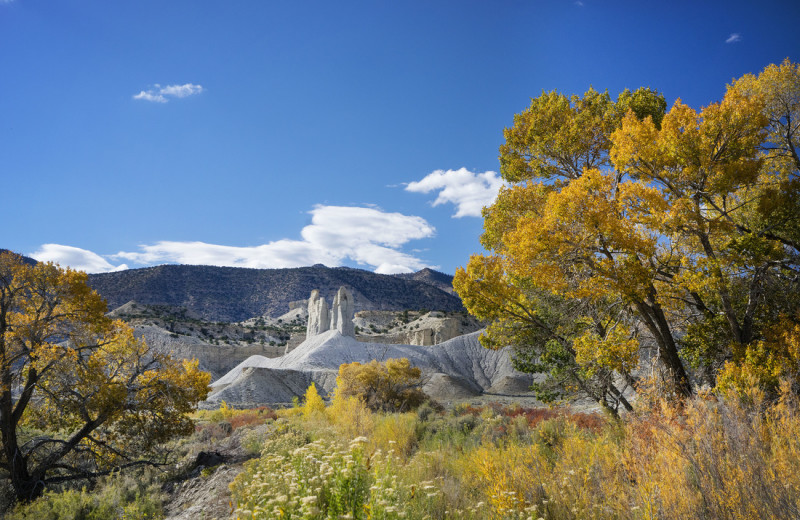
709,459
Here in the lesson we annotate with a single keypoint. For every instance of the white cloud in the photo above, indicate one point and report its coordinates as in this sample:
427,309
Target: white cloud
469,191
76,258
733,38
159,94
368,236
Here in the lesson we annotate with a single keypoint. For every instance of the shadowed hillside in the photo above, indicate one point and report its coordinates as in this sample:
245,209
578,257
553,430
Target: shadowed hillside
235,294
437,279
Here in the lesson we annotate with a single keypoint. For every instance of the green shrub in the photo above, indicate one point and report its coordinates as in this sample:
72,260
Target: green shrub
116,497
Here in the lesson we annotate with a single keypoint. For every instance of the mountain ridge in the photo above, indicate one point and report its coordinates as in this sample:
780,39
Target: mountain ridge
238,293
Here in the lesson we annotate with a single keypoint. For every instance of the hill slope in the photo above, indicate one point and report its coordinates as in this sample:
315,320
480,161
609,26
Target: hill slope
458,368
235,294
437,279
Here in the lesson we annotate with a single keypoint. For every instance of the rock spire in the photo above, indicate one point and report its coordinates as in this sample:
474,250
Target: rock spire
318,317
343,312
338,317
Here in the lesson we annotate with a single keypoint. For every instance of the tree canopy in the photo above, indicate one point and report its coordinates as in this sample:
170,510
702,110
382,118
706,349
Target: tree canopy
633,237
80,396
393,385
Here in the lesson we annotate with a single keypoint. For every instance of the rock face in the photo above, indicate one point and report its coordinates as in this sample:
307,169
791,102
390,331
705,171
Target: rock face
339,317
318,316
343,311
438,332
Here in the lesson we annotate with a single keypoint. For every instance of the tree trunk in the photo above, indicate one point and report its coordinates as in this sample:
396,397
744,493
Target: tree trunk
658,325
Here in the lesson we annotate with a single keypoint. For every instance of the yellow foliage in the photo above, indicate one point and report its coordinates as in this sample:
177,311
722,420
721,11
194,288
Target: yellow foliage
676,219
393,385
728,459
312,403
395,433
350,415
618,350
764,364
510,476
76,372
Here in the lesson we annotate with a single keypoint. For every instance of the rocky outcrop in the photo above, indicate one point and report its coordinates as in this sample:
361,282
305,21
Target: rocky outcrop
339,317
343,311
438,332
318,316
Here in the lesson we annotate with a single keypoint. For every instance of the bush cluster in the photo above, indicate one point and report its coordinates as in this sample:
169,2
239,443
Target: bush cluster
118,497
711,458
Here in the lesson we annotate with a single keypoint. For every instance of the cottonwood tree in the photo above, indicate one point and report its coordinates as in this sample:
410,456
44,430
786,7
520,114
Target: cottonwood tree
675,229
393,385
80,396
553,142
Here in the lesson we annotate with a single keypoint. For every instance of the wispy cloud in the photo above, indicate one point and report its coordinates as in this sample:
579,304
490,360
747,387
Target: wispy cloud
76,258
469,191
159,94
733,38
579,3
366,235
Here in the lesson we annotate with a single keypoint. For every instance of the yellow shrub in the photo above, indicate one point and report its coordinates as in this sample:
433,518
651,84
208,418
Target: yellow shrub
395,432
511,476
390,386
350,415
312,403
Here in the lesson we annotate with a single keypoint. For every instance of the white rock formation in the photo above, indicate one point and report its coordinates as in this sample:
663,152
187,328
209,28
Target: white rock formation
343,311
319,319
339,317
459,367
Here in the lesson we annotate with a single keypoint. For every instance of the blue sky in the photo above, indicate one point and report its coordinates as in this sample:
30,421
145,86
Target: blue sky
288,133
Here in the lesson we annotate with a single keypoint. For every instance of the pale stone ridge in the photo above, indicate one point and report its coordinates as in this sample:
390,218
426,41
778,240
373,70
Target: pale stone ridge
458,367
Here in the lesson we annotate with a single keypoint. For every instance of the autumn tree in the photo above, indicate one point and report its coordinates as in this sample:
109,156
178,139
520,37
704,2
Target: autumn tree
80,396
666,233
393,385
